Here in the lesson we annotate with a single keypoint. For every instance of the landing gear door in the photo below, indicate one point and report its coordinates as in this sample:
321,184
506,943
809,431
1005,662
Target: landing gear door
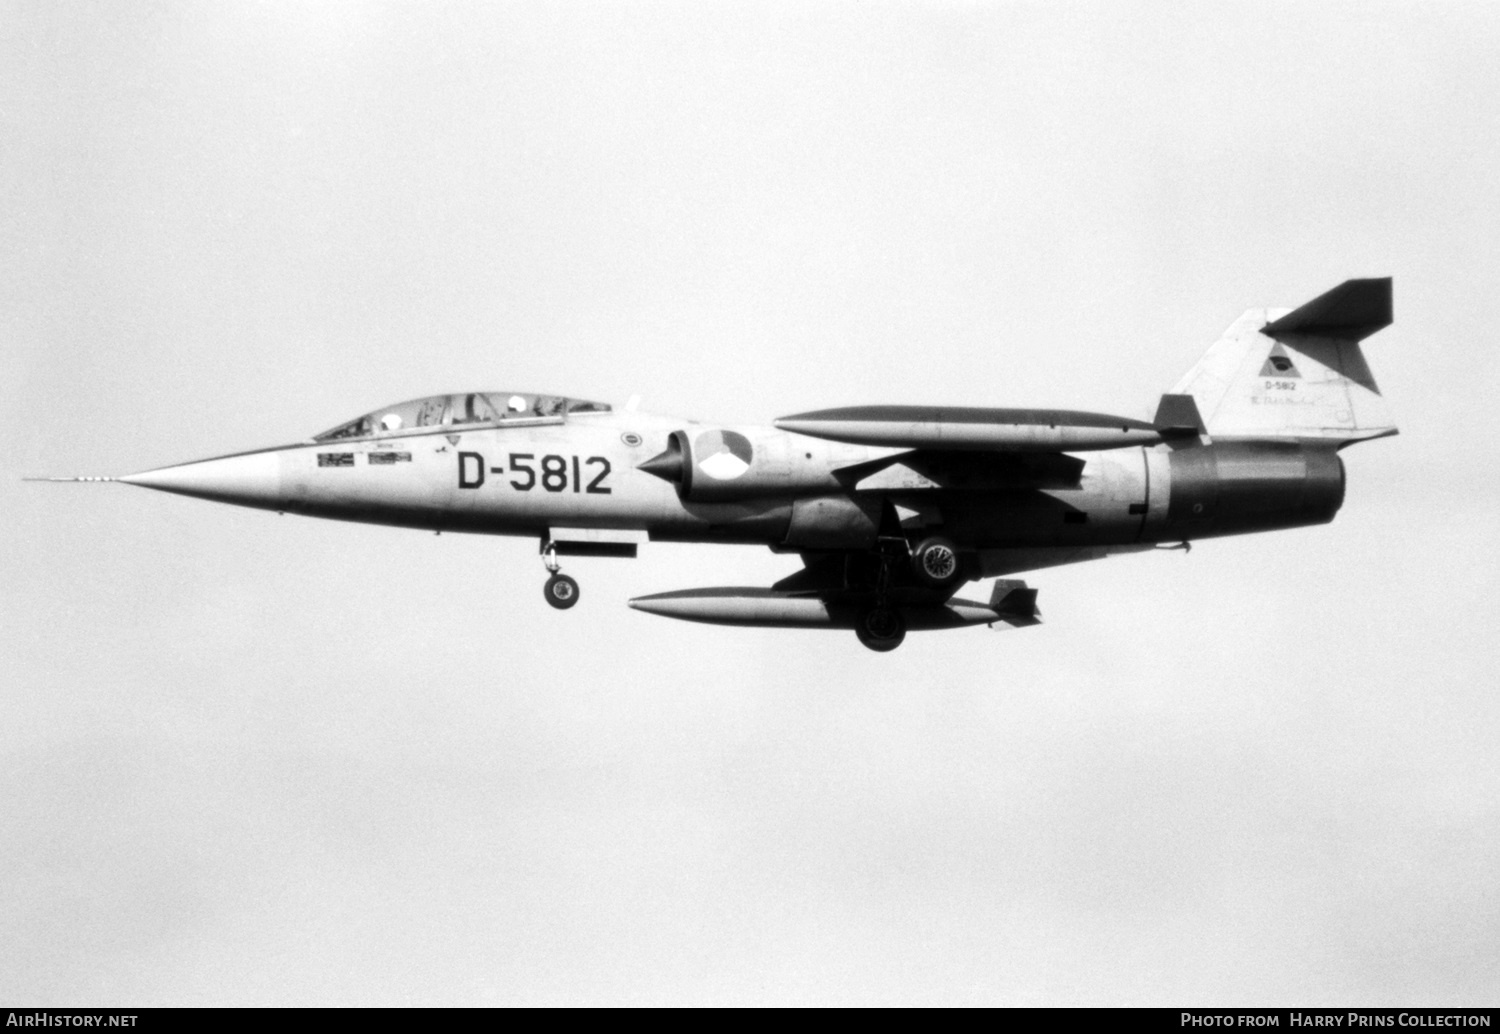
596,541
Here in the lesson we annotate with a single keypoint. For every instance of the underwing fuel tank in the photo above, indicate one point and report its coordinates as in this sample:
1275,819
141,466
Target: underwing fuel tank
1013,605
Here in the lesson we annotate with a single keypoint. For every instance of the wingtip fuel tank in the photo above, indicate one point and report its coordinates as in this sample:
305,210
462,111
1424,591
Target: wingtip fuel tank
963,428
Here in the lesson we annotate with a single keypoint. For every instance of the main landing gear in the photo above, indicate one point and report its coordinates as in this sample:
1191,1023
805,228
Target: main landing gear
560,590
933,564
881,628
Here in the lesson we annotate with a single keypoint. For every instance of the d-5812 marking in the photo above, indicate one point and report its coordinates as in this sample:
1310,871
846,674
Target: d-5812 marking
557,473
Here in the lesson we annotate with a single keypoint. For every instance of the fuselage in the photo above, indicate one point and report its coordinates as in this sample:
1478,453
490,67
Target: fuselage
528,475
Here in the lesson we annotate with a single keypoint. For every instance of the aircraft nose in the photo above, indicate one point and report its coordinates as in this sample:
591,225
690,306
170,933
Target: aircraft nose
253,479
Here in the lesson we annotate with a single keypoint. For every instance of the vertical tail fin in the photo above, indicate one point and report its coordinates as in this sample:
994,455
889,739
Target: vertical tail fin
1298,373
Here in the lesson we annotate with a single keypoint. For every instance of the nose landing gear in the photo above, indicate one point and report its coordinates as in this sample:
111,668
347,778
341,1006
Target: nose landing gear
560,590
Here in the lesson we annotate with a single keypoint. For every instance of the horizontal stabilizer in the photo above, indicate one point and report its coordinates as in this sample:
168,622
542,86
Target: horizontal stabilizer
1352,311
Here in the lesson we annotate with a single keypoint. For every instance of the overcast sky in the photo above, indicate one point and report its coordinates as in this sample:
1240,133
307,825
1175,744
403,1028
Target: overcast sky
249,759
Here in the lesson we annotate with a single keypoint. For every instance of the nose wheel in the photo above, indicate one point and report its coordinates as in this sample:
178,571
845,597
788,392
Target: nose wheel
560,590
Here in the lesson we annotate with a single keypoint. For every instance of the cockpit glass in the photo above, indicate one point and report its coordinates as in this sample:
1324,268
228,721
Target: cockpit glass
472,408
468,408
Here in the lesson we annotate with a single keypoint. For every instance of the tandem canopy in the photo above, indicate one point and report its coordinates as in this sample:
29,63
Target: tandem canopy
474,407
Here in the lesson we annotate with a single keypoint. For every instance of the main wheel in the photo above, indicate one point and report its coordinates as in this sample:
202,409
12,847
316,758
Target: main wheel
561,591
935,562
881,629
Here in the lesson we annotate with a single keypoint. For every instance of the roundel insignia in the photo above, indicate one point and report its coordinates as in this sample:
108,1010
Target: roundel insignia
631,439
1279,364
722,455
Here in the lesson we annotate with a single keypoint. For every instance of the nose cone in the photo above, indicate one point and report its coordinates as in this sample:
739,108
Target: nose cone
666,465
253,479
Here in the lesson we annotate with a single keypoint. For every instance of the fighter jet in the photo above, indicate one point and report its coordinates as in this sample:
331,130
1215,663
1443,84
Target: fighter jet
892,509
